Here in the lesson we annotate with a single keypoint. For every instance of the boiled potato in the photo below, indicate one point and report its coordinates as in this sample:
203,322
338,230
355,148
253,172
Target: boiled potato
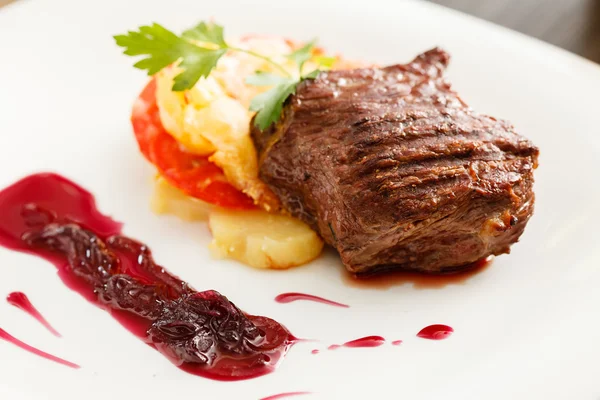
167,199
256,238
263,240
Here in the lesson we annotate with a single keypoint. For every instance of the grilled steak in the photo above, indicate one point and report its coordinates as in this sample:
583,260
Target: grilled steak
395,171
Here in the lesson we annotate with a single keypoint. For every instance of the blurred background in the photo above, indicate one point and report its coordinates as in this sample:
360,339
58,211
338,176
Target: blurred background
573,25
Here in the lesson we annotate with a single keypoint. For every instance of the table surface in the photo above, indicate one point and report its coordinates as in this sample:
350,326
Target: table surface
571,24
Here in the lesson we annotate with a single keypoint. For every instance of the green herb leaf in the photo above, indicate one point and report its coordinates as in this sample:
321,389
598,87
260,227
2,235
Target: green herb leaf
163,48
160,48
195,66
206,32
261,78
325,61
270,103
303,54
312,75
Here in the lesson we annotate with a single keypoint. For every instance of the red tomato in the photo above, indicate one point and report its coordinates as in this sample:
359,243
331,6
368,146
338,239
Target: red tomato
192,174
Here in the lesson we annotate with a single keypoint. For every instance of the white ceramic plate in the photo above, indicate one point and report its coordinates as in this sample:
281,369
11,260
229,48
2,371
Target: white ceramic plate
526,328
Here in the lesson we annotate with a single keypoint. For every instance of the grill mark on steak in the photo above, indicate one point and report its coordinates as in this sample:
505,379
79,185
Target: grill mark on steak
395,171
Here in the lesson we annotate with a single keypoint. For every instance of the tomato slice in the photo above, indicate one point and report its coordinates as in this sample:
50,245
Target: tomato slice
192,174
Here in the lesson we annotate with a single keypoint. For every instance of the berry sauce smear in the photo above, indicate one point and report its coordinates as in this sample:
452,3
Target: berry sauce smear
201,332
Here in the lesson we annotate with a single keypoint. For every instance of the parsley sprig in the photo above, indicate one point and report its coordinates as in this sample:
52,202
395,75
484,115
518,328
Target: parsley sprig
269,104
197,51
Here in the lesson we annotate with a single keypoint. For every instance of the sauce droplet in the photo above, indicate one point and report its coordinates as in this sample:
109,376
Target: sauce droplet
20,300
283,395
315,351
396,342
11,339
367,341
435,332
289,297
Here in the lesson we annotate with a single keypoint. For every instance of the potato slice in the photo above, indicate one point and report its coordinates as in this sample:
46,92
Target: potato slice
167,199
263,240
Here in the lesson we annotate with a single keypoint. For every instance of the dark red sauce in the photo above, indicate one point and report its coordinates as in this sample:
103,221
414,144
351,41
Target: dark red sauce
387,280
435,332
11,339
284,395
367,341
289,297
201,332
20,300
396,342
